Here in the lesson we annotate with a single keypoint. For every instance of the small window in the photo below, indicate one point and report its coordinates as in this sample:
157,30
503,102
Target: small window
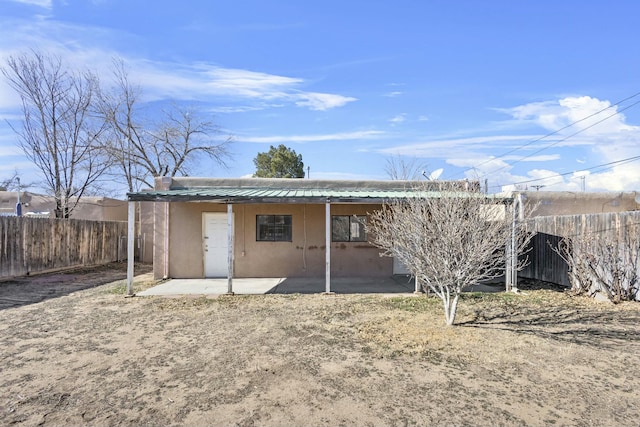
348,228
273,228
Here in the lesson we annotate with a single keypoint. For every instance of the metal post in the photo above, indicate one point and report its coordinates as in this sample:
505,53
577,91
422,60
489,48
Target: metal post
511,267
18,205
131,215
166,240
327,272
230,248
507,262
514,251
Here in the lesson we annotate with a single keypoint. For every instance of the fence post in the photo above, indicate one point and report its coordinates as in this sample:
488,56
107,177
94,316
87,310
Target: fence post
130,254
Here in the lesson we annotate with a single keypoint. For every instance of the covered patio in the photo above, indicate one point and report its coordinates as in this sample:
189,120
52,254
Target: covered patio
202,222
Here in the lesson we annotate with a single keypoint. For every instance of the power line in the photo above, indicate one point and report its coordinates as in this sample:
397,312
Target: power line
560,140
551,134
602,166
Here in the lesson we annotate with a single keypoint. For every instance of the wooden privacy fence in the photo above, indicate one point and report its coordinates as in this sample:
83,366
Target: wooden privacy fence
30,245
547,265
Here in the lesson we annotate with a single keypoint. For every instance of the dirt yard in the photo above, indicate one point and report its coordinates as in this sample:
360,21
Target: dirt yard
89,356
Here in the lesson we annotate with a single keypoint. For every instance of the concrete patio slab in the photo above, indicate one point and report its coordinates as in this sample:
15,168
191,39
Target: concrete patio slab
252,286
283,285
301,285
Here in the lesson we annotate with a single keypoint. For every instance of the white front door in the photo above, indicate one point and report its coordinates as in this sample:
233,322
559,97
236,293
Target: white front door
215,244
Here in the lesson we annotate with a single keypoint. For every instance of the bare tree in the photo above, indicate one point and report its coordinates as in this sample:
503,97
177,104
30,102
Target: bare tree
449,241
143,149
59,133
120,108
182,136
606,261
15,183
400,168
6,184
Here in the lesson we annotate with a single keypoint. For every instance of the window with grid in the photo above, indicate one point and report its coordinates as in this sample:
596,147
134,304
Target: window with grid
274,228
348,228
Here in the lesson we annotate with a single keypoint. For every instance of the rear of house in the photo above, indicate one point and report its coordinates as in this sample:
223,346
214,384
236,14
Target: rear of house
256,227
270,240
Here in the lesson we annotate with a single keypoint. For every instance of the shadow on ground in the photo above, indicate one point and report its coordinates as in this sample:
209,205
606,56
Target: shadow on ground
26,290
589,326
351,285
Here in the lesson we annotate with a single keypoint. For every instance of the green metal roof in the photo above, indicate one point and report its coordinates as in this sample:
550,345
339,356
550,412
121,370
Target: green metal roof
272,195
289,195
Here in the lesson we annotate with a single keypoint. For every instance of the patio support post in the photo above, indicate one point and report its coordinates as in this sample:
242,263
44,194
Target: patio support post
511,261
229,248
131,226
514,255
166,241
327,271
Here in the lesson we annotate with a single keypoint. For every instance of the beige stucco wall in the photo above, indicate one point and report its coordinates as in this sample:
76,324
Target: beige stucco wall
547,203
90,207
145,221
304,256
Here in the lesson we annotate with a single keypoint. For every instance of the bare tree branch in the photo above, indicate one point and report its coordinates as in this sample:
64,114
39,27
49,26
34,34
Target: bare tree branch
606,261
448,240
59,134
143,150
401,168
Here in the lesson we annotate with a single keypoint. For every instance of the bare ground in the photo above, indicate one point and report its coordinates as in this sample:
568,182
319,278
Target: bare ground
89,356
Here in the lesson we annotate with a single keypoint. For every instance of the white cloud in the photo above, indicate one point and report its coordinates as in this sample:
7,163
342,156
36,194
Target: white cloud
91,47
538,158
398,118
393,94
46,4
444,147
605,137
10,151
589,116
602,126
321,101
624,177
247,83
343,136
239,109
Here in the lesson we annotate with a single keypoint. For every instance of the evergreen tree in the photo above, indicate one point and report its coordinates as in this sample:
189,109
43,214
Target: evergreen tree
281,162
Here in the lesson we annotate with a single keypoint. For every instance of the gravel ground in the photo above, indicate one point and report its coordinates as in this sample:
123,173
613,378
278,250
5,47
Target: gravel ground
80,353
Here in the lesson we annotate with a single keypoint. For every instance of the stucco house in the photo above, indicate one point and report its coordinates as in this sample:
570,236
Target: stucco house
38,205
257,227
553,203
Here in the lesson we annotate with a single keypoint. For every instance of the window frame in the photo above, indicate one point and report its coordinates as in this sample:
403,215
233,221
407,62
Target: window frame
277,235
358,221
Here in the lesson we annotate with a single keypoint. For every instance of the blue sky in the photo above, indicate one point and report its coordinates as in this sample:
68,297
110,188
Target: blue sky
475,88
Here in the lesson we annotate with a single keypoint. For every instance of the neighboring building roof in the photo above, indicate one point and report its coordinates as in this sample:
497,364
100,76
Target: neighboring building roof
40,205
545,203
291,190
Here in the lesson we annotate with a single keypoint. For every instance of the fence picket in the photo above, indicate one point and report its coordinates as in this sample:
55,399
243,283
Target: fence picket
547,265
31,245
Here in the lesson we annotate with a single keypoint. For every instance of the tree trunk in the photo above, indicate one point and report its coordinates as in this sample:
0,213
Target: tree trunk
450,307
